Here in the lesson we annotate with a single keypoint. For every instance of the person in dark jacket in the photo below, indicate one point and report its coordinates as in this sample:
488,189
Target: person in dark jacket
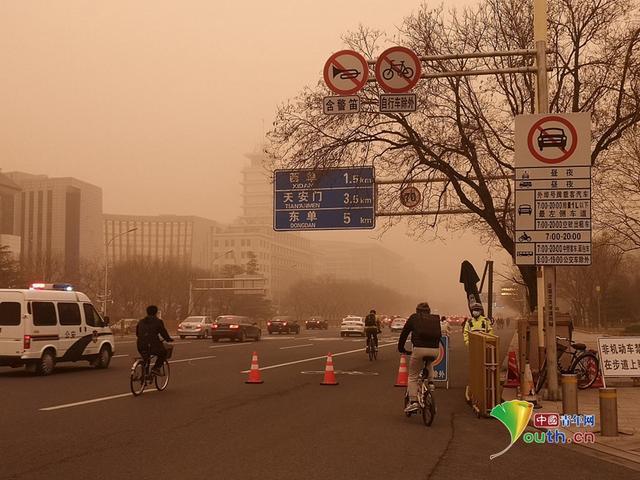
371,329
425,337
150,332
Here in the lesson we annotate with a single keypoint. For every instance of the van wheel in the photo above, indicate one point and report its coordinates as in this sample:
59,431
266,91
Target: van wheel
104,358
46,364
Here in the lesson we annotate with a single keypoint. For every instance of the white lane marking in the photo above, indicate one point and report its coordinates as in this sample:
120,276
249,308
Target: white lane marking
192,359
317,358
230,345
278,338
94,400
120,356
297,346
124,343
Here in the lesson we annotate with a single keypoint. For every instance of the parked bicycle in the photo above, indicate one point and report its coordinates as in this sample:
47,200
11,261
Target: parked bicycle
573,358
426,399
142,375
397,68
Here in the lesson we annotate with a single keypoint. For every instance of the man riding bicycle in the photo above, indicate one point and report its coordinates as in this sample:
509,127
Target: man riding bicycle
149,330
425,337
371,328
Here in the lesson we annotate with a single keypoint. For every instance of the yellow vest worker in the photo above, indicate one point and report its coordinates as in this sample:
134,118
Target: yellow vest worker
477,323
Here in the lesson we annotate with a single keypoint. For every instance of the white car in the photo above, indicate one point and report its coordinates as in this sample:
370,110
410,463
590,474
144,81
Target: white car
195,326
398,324
352,326
445,327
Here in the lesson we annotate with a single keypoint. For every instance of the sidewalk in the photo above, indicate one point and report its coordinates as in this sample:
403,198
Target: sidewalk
627,444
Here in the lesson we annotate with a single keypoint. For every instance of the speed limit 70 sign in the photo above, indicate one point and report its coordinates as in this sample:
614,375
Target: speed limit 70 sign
410,197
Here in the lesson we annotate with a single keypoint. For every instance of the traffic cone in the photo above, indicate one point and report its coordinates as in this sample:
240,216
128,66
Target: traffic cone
402,380
513,374
254,373
329,374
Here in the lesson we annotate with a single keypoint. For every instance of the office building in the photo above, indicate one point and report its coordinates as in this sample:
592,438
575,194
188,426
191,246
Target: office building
165,238
59,221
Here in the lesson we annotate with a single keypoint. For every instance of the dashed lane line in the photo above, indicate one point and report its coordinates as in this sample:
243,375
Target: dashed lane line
297,346
317,358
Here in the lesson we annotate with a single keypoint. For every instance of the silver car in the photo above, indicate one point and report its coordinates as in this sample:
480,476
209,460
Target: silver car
195,326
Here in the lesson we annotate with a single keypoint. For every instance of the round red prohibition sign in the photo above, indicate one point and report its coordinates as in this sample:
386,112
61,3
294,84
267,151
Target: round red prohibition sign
398,70
346,72
548,140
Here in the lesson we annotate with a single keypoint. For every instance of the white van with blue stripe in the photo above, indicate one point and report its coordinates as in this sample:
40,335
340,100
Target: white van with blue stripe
42,326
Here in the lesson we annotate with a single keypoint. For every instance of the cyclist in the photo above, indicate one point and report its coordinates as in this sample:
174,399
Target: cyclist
425,336
477,323
371,328
148,331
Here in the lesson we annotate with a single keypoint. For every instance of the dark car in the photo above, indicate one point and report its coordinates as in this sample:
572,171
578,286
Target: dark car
525,209
235,327
552,137
283,324
316,323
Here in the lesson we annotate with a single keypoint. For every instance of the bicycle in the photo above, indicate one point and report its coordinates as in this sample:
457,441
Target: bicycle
142,375
397,68
372,349
426,400
584,363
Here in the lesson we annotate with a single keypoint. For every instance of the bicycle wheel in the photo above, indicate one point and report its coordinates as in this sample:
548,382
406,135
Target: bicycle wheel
387,73
406,404
162,380
542,377
407,72
586,367
375,353
429,409
137,380
370,349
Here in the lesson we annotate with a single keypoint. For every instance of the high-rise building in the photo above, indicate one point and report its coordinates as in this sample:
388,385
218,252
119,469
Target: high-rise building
59,221
9,237
182,239
283,257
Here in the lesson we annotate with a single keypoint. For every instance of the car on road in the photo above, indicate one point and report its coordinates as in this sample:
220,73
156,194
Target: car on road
398,324
283,324
235,328
195,326
125,326
46,324
316,323
352,325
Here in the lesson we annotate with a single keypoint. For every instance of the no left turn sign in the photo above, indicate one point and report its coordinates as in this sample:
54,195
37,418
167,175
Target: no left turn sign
398,70
346,72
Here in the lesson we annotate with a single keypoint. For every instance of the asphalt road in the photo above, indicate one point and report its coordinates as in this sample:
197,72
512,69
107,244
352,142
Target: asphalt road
81,423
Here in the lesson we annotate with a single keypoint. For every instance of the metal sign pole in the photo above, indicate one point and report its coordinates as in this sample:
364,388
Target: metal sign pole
540,32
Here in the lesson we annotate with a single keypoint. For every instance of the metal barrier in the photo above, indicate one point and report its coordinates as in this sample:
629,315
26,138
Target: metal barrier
484,372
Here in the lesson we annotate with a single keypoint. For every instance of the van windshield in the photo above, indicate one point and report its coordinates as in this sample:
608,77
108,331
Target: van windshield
9,314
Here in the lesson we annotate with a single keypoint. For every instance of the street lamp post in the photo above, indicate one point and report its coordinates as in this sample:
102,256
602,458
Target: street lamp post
106,268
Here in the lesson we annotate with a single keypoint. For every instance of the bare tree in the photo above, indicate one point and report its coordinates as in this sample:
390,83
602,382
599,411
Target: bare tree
462,134
618,192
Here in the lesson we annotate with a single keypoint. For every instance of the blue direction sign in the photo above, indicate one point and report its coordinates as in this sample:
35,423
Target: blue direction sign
328,199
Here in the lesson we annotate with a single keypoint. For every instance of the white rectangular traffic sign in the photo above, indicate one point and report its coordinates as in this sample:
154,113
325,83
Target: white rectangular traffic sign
553,189
339,105
398,103
553,140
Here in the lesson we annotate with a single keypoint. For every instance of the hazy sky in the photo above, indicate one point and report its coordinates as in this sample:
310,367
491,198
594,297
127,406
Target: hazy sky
157,101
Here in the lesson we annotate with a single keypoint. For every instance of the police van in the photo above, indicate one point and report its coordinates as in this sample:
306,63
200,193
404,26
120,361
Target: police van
51,323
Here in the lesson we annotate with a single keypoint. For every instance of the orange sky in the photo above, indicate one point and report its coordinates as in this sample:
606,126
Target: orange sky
157,101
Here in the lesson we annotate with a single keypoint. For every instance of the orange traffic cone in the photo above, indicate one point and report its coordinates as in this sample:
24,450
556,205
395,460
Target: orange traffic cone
402,380
329,374
254,373
513,374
